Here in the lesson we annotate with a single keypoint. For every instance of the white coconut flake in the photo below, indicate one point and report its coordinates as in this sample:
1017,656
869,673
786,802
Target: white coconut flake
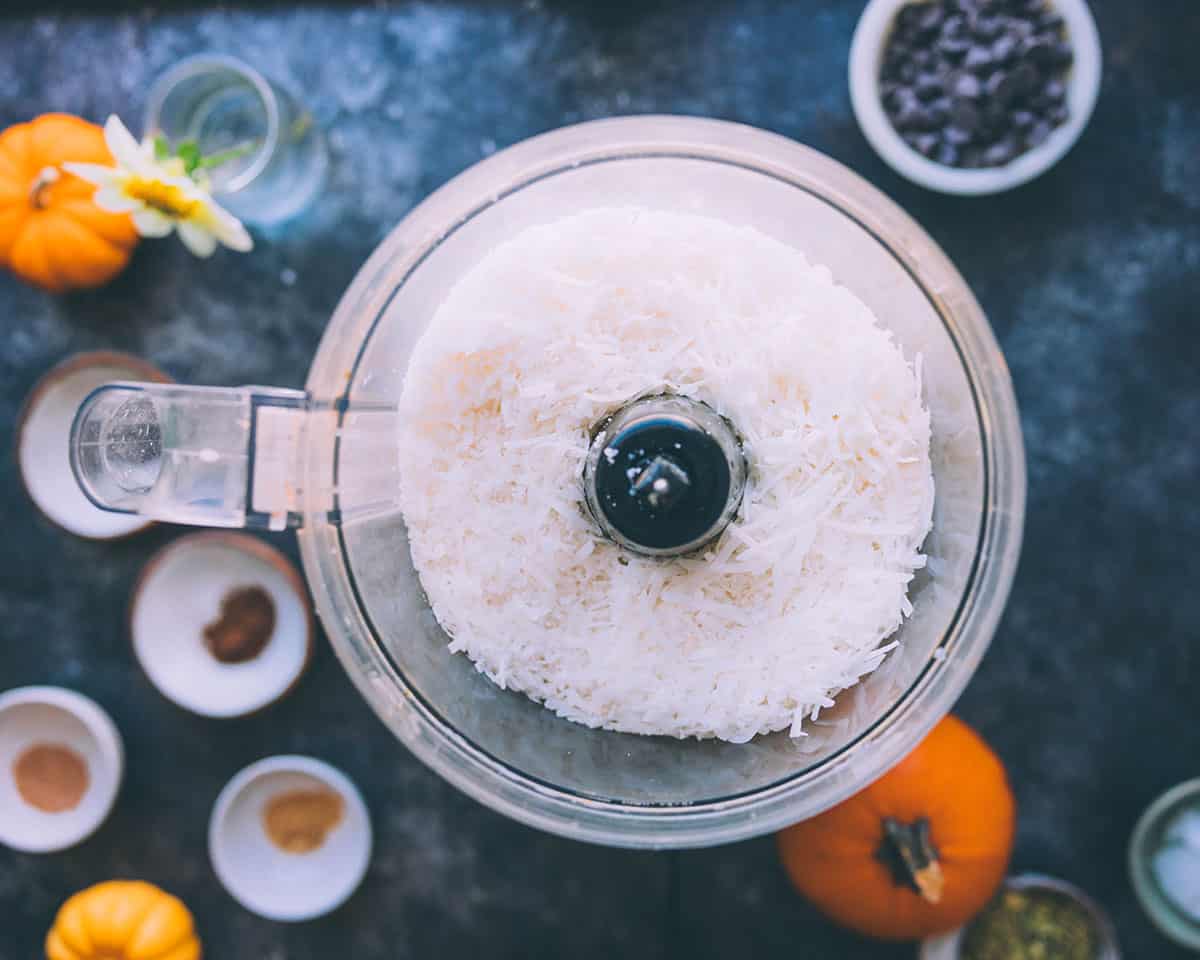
550,333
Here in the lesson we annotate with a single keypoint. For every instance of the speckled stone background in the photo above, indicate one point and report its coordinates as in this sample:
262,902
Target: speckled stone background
1090,277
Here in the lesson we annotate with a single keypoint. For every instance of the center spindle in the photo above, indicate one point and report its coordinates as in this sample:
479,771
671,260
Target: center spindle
664,475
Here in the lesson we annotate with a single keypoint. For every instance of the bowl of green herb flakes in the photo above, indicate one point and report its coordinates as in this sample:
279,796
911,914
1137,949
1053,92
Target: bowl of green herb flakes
1033,917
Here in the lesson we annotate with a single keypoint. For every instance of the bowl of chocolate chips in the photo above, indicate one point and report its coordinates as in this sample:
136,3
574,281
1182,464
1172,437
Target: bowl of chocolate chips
974,96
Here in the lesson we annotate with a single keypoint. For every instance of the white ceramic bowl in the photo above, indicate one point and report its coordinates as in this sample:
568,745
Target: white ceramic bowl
43,431
1083,87
268,881
948,946
55,716
1145,841
180,591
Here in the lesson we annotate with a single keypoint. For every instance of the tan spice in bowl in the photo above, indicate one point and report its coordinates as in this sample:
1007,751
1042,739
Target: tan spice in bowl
51,777
298,821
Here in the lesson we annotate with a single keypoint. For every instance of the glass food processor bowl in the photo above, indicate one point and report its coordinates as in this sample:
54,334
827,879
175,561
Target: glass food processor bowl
326,461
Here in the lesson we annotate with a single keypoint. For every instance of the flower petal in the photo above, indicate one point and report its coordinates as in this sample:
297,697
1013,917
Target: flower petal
229,230
93,172
200,241
121,145
112,199
151,223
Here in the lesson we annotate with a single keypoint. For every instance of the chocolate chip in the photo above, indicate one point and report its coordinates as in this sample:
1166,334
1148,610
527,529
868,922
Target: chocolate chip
978,59
993,121
998,154
930,19
908,117
965,115
1054,91
1024,79
1050,22
947,155
966,86
1019,29
904,99
956,136
923,143
939,110
1037,50
1004,48
908,16
954,26
1063,56
971,157
928,86
1038,134
907,72
954,47
987,28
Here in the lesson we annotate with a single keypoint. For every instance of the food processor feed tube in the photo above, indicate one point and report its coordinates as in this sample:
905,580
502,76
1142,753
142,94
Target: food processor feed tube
212,456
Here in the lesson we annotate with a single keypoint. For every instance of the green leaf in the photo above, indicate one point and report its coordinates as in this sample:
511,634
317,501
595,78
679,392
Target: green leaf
189,153
162,149
224,156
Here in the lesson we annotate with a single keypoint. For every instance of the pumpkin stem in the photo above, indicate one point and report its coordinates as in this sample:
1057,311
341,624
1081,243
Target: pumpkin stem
908,852
37,190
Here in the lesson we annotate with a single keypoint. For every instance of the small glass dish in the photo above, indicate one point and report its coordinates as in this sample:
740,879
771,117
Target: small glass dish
948,946
223,104
1146,840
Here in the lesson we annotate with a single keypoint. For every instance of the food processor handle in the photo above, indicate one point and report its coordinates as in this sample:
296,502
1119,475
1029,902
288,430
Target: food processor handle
207,456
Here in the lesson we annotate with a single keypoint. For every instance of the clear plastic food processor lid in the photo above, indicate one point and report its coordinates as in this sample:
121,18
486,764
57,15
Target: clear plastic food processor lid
328,460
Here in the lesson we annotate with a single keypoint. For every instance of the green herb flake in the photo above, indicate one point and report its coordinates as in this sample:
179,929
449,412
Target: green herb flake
189,153
1031,925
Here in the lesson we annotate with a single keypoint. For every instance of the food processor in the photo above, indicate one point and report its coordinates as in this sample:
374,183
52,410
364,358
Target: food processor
325,462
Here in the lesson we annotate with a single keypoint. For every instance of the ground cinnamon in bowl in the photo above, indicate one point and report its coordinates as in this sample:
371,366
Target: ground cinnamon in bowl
244,627
51,777
299,821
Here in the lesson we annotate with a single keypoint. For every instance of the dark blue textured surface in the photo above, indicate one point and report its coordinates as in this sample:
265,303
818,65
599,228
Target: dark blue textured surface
1090,277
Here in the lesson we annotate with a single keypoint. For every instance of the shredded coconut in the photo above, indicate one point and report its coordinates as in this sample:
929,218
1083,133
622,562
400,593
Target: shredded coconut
796,600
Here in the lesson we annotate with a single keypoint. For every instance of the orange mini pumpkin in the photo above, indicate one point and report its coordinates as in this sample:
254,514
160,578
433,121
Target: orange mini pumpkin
918,852
123,920
51,233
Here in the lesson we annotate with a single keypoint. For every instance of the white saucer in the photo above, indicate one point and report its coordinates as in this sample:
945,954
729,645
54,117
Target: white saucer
180,591
268,881
55,716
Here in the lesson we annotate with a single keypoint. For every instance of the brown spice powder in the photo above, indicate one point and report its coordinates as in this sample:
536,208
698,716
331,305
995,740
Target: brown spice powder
298,821
51,777
244,627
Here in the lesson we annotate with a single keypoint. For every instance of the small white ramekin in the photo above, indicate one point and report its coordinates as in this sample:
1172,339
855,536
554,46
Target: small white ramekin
181,589
54,715
282,886
1083,87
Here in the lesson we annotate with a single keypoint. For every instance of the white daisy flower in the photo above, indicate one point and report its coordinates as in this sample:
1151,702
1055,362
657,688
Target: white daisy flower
159,195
